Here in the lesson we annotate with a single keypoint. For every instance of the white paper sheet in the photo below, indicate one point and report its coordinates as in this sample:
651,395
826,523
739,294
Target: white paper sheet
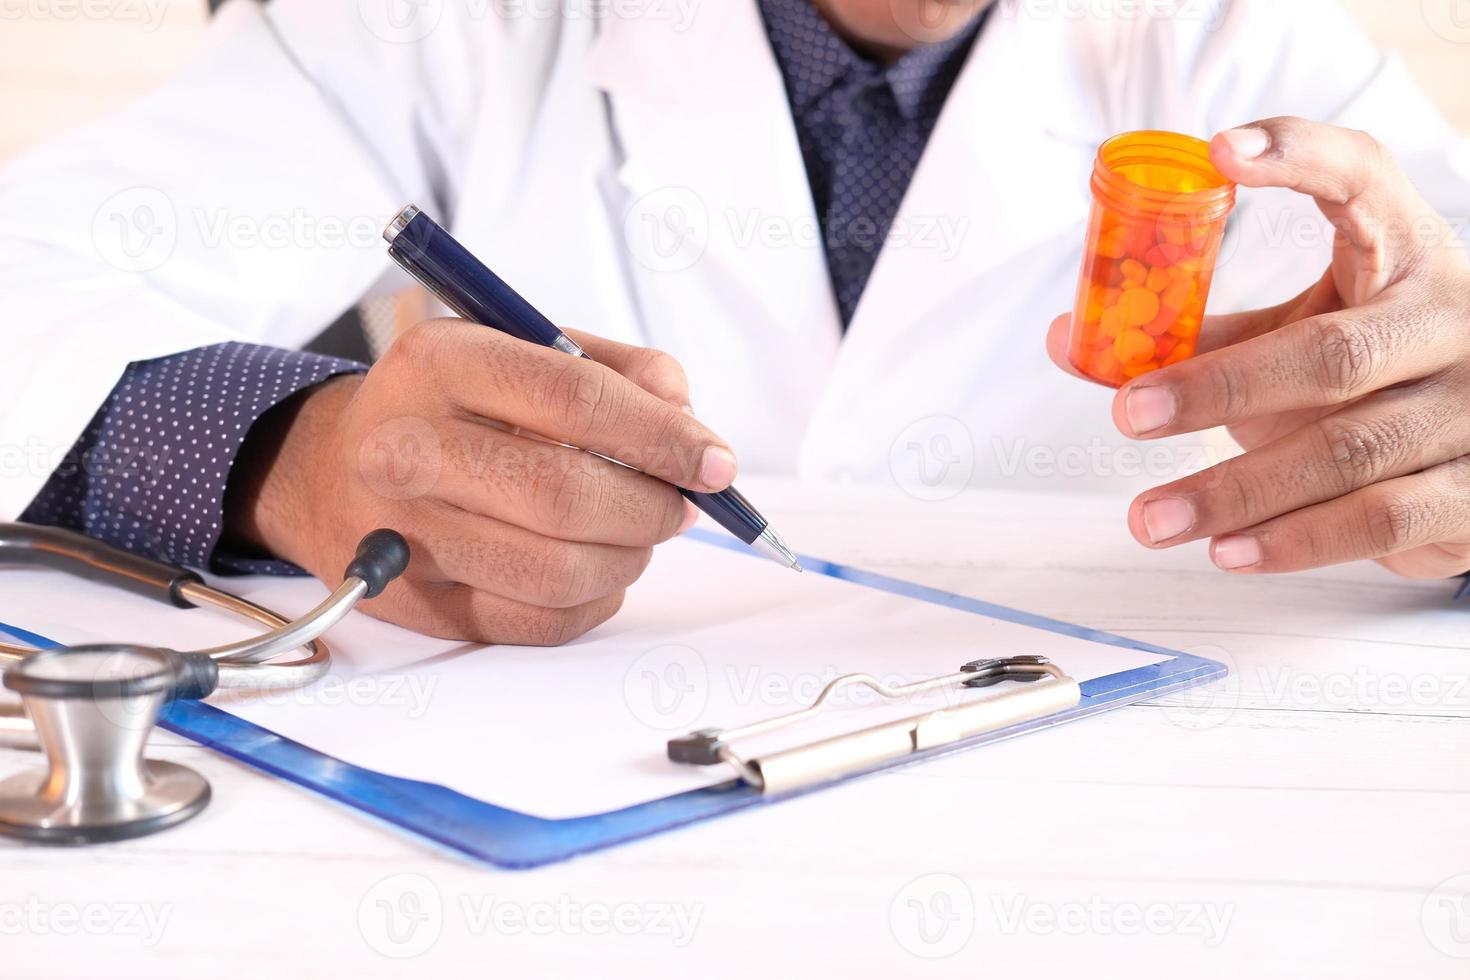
709,638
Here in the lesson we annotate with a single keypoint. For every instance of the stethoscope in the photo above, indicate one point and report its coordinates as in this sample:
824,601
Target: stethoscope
91,708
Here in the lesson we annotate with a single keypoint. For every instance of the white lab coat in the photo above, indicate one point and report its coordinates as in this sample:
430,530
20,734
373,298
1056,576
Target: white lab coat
638,175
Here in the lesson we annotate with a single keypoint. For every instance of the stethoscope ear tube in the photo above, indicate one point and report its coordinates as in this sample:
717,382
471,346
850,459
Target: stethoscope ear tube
76,554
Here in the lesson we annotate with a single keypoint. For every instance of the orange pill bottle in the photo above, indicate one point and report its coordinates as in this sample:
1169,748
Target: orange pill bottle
1158,218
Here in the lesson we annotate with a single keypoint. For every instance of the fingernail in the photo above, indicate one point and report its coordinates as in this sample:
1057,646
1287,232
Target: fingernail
1149,409
1236,551
1248,142
1167,517
717,467
691,514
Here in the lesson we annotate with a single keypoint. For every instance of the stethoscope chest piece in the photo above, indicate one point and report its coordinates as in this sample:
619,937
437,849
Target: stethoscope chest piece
93,708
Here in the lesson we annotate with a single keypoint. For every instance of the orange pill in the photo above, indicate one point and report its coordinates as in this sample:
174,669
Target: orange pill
1104,365
1134,370
1106,274
1134,271
1140,240
1165,344
1166,253
1178,294
1139,306
1092,308
1112,321
1133,347
1113,243
1160,324
1158,279
1184,349
1186,327
1175,234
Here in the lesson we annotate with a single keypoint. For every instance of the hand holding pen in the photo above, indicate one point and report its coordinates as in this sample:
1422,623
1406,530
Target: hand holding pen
467,286
458,437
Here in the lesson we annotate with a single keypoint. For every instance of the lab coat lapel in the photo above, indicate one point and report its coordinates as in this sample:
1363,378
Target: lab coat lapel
707,138
722,239
998,177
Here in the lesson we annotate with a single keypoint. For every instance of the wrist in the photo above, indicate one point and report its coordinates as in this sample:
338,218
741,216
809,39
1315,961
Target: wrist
276,483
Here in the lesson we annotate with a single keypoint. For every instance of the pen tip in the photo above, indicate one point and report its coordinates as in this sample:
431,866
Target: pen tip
770,544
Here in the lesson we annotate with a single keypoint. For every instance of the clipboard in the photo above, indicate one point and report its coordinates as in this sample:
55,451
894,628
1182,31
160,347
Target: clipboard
508,838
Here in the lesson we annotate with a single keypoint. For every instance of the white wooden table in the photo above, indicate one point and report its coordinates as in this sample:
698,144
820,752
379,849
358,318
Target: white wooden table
1308,818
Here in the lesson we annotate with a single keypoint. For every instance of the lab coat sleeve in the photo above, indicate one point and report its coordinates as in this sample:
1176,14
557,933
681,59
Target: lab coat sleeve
1254,59
242,202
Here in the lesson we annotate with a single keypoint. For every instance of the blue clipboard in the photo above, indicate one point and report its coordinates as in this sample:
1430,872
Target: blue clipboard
510,839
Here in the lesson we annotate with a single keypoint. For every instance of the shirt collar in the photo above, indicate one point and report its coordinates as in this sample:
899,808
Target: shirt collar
814,60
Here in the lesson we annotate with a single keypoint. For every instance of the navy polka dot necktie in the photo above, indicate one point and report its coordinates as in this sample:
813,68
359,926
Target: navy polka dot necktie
862,129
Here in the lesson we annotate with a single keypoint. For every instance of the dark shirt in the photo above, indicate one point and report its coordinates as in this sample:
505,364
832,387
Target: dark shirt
862,129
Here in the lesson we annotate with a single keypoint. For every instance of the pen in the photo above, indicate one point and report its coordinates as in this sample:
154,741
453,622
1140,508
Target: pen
464,284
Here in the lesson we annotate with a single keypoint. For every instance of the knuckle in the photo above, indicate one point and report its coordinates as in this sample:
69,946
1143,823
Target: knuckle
670,504
1376,153
1359,451
1229,390
1307,546
422,345
566,493
555,627
1242,494
669,444
1395,522
663,365
561,576
1345,358
576,397
632,570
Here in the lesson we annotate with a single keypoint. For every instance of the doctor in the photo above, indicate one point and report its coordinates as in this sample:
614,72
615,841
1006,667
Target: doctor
845,222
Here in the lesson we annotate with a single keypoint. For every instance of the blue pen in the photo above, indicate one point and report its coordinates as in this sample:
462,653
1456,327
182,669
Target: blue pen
448,270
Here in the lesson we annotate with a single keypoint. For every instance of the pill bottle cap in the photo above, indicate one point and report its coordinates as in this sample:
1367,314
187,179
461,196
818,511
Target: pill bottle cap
1161,176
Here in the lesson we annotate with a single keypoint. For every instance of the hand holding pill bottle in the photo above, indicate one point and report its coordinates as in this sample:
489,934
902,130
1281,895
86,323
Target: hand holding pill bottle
1158,218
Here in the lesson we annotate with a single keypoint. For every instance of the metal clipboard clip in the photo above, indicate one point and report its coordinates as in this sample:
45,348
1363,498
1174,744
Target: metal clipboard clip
805,765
